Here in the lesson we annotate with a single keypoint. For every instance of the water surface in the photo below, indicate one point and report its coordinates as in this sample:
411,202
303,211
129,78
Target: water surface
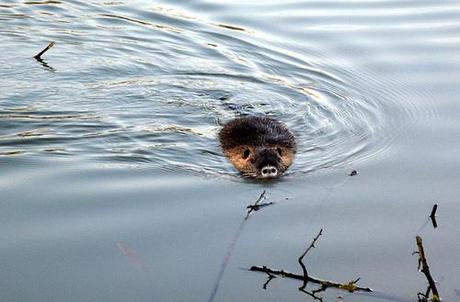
113,184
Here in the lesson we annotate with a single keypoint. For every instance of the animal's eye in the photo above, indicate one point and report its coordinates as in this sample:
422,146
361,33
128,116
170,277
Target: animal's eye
246,153
280,152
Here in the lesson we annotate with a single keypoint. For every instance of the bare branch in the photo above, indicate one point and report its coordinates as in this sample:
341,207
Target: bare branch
38,56
310,278
300,260
433,211
433,216
256,206
424,268
305,277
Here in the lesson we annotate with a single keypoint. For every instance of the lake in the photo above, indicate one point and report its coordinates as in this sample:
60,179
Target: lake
113,186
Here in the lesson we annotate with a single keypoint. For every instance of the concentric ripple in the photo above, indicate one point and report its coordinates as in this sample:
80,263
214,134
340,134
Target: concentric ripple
142,85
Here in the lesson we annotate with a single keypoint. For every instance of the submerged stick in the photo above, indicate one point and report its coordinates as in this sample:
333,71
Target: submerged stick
351,286
425,269
38,56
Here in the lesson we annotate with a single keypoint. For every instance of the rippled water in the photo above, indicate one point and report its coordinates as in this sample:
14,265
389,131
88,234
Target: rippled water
109,156
151,84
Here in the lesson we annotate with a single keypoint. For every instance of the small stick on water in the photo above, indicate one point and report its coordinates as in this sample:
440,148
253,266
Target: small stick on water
38,56
353,173
300,260
350,286
257,205
433,211
433,216
305,277
425,269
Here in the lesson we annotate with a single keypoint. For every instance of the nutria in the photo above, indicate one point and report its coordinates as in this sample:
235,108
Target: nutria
258,146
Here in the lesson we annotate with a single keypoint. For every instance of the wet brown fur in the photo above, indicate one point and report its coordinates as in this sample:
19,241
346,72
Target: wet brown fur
257,134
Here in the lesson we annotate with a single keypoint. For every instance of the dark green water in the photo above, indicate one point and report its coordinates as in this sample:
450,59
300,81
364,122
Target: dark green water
113,186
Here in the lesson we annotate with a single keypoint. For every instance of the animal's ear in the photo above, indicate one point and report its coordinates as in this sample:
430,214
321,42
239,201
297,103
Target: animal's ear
246,153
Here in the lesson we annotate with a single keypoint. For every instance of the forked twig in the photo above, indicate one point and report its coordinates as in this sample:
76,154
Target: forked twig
257,205
300,260
305,277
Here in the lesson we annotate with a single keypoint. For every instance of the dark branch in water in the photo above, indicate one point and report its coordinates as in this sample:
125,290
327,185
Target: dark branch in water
257,205
433,216
425,269
38,56
300,260
351,286
353,173
305,277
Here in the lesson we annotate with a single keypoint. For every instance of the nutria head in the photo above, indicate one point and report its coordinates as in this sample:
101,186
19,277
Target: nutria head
262,162
259,147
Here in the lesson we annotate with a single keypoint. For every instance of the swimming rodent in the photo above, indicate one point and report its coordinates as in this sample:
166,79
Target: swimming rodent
258,146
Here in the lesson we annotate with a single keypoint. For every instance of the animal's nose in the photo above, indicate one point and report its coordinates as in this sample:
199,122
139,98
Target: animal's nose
269,172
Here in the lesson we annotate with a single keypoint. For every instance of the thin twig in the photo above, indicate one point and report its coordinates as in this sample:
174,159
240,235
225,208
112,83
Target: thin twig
425,269
433,211
259,206
38,56
256,206
433,216
300,260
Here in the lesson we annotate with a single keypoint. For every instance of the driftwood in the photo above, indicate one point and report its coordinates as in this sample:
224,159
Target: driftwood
38,56
425,269
305,277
